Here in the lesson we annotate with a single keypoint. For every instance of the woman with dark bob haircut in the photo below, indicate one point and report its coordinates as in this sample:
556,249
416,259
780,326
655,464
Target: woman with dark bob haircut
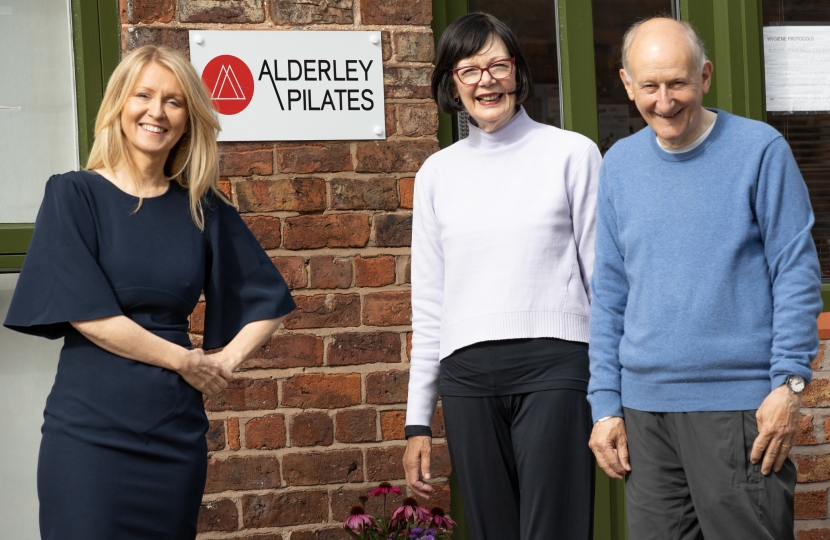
502,255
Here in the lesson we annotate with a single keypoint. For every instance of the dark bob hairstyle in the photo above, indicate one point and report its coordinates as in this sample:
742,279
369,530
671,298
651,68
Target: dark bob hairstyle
465,37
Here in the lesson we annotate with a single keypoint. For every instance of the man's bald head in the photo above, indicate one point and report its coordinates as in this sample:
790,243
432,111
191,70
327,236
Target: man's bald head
664,25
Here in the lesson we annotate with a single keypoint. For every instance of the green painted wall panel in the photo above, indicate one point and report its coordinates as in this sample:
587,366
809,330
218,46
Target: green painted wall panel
577,74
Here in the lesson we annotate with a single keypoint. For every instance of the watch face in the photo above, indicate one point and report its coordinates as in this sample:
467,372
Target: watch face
796,384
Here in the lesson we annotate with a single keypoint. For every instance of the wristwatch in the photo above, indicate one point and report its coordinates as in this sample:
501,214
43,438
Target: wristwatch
795,383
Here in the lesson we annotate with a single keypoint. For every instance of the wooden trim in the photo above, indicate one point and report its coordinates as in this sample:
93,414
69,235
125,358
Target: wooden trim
577,73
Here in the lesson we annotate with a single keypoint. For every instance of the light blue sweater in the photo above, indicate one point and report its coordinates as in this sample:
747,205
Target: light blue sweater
706,285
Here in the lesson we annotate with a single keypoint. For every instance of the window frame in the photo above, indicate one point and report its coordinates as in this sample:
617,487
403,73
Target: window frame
96,40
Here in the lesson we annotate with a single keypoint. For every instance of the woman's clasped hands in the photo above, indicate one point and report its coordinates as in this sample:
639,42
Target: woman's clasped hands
207,373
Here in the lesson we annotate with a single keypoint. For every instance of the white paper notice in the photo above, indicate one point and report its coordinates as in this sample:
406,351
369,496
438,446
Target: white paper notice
797,68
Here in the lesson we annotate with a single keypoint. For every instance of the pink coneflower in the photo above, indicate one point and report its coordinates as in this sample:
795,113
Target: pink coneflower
384,488
409,508
358,519
439,519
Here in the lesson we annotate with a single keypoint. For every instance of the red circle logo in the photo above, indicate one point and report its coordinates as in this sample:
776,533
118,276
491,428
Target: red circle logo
230,84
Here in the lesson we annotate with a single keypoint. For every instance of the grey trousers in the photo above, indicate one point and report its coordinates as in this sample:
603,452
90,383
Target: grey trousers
691,479
523,464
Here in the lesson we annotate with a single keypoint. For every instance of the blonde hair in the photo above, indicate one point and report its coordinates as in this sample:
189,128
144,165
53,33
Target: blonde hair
193,162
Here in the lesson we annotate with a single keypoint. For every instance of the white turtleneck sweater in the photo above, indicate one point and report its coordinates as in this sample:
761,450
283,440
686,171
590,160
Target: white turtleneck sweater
502,245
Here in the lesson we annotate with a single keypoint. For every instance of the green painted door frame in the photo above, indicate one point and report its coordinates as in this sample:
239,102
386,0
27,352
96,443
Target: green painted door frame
96,31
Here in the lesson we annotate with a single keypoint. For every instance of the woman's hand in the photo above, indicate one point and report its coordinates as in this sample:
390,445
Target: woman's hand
206,373
416,465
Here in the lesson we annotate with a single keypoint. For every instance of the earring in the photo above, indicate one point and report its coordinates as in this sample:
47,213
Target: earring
457,100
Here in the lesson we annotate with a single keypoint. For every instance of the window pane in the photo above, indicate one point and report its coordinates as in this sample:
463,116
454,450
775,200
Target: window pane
616,114
37,103
807,134
534,22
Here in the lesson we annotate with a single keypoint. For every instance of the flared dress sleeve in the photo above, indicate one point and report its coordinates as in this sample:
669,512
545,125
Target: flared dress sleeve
61,279
242,284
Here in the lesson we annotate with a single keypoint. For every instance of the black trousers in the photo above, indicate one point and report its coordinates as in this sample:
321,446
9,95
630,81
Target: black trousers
691,479
523,464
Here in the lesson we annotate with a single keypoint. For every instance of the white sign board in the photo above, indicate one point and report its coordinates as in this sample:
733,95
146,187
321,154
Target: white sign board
797,68
293,85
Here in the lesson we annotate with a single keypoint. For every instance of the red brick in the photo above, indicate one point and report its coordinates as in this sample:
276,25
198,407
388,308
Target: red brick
330,272
413,12
286,194
255,537
344,498
147,11
407,271
243,394
804,435
292,270
811,504
284,509
374,271
393,156
247,162
418,120
336,533
437,425
332,157
218,515
814,534
265,433
384,464
409,345
332,231
391,120
407,82
242,473
364,348
266,230
216,435
286,351
312,429
315,468
406,188
233,434
392,425
175,38
392,308
818,360
324,311
356,425
226,189
392,230
372,194
297,12
221,11
813,468
414,47
197,319
321,391
387,387
817,394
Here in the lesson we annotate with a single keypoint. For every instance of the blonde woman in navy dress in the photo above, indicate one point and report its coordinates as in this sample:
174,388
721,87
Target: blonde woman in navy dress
120,255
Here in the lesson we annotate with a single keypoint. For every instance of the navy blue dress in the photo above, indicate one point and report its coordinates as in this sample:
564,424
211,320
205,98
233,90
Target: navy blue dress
123,454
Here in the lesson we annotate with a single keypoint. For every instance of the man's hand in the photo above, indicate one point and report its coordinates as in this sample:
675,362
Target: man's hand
777,419
416,465
610,446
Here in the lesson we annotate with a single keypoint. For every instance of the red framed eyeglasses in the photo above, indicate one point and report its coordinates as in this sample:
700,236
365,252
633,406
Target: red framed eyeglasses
499,69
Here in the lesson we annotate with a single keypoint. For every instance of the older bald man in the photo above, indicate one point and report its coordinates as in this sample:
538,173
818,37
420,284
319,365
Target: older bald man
706,290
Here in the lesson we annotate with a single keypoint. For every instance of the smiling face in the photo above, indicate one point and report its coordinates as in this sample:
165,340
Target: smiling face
154,117
488,102
665,84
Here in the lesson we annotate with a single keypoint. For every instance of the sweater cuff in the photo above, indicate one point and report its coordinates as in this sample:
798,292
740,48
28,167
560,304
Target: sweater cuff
605,403
417,431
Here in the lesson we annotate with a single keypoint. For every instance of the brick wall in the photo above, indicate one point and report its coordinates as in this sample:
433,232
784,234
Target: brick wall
812,451
315,418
